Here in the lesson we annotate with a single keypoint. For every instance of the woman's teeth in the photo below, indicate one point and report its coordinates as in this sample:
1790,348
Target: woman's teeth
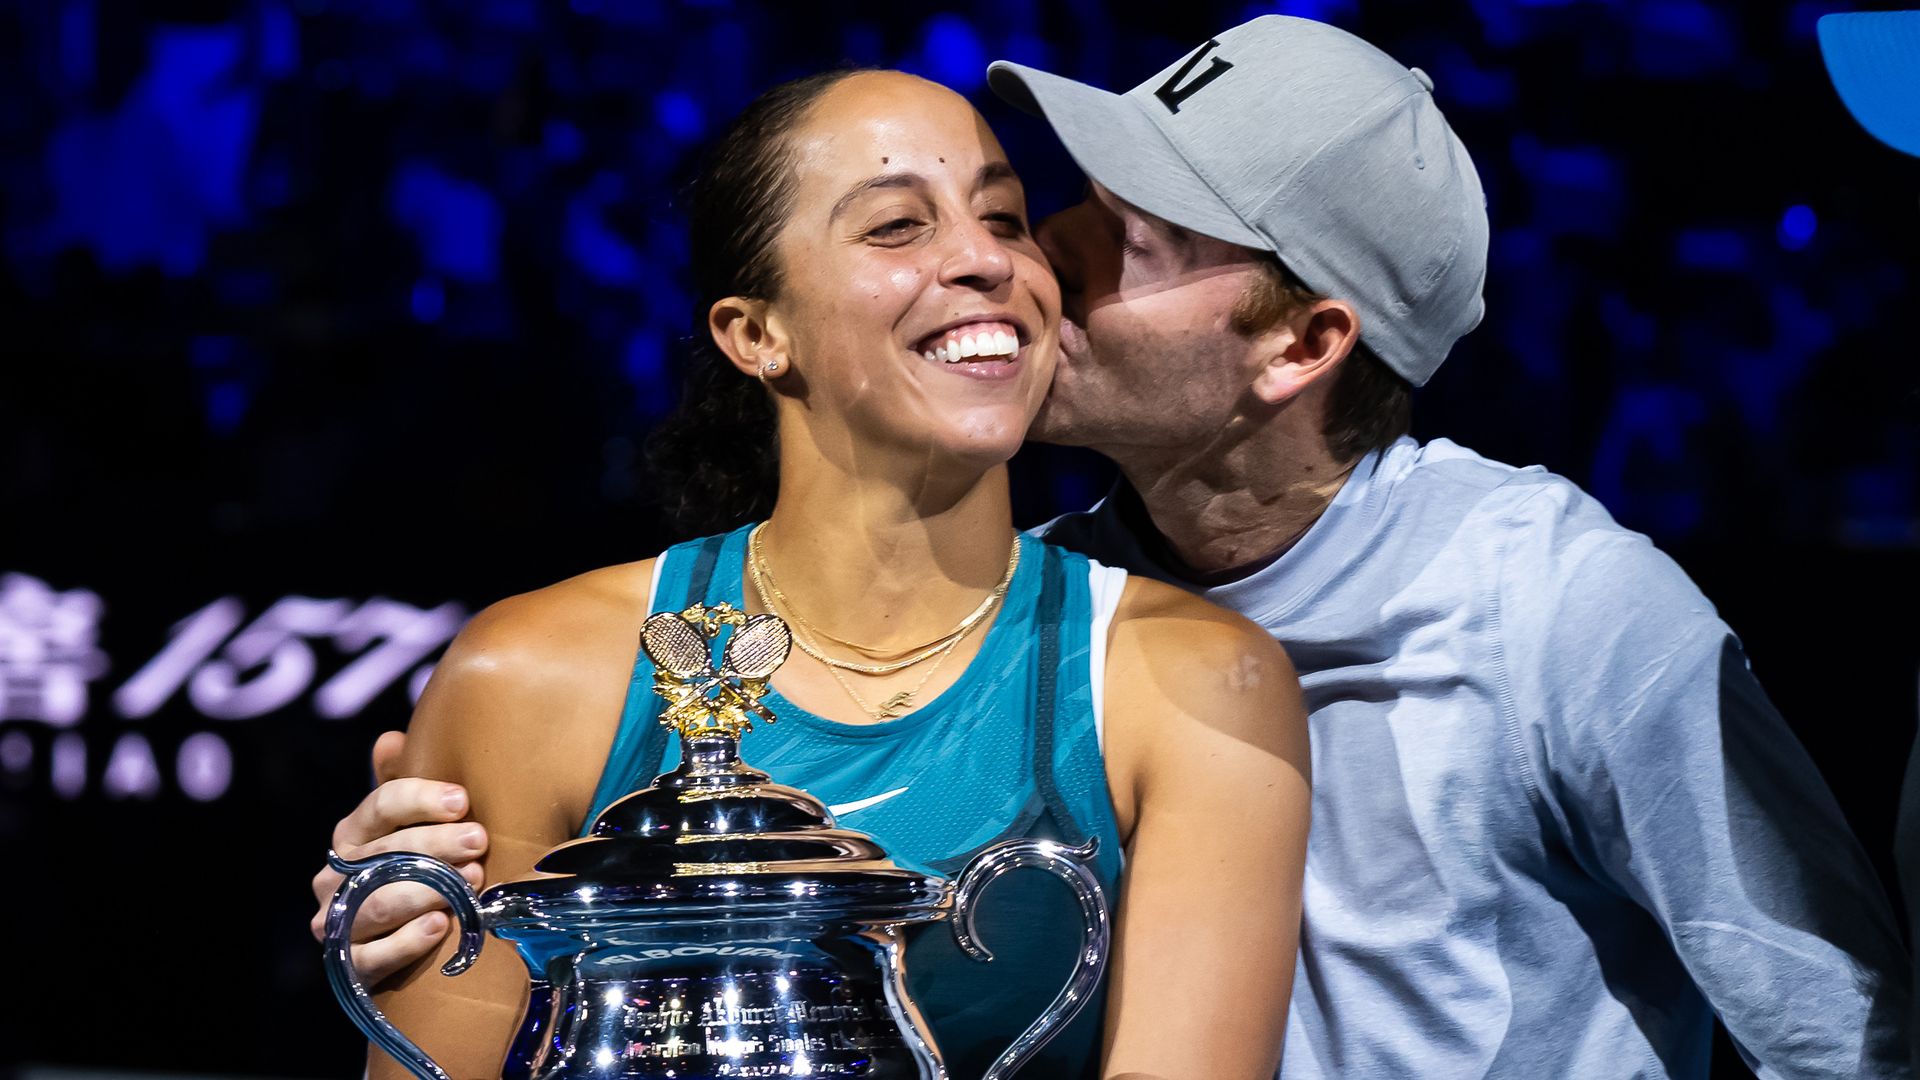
984,344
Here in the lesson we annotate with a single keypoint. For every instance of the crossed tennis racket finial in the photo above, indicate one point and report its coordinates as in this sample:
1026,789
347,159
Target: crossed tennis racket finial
701,697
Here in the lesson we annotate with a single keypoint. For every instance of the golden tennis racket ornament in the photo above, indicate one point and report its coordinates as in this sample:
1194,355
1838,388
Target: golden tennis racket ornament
701,697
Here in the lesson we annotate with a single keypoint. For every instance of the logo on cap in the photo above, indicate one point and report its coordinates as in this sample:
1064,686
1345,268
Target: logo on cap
1171,93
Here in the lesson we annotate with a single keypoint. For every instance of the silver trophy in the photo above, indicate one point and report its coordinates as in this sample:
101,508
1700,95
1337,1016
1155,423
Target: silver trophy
717,924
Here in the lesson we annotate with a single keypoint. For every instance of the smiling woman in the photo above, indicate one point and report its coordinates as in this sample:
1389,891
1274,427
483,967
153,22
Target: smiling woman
869,283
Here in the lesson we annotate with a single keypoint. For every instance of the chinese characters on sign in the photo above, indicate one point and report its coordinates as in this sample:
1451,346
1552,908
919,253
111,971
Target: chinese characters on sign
47,652
229,669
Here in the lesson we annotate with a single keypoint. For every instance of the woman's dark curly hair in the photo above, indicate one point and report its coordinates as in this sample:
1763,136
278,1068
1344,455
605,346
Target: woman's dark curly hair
714,460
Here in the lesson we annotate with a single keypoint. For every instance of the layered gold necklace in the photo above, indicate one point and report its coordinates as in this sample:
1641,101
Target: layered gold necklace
889,661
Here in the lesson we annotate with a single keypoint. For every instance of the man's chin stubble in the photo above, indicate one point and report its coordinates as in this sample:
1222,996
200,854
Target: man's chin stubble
1048,430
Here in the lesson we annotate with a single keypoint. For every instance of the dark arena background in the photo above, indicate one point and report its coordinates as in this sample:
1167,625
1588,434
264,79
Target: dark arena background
325,323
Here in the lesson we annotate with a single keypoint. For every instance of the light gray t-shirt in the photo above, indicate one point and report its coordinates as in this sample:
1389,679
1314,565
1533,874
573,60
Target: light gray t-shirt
1556,823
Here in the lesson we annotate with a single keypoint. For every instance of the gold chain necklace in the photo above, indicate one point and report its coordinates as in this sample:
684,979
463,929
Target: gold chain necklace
901,702
763,587
894,706
771,595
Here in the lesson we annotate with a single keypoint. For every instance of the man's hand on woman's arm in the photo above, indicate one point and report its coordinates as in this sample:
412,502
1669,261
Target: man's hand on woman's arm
524,696
400,924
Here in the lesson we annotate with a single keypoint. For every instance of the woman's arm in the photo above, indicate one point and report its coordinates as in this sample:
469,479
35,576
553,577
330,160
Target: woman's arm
1207,755
521,712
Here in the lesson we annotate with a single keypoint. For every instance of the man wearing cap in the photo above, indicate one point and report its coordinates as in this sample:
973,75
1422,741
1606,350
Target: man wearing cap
1874,60
1557,825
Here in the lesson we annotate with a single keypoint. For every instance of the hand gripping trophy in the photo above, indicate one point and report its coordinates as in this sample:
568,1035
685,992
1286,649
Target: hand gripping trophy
717,924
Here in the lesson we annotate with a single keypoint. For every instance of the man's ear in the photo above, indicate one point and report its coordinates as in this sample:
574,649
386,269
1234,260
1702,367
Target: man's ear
1304,349
749,335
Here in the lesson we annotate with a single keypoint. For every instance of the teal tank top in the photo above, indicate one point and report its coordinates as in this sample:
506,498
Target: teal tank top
1009,750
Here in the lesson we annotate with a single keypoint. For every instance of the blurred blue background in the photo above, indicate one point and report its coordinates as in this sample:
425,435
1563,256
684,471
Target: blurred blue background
335,320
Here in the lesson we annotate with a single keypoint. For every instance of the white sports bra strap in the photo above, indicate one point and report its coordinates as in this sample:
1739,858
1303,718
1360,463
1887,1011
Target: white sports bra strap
1105,584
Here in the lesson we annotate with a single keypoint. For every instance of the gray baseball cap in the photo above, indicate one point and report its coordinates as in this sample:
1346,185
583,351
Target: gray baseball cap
1298,138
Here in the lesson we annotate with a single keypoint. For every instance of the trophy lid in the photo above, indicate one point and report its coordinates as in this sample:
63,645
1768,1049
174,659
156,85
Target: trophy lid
715,835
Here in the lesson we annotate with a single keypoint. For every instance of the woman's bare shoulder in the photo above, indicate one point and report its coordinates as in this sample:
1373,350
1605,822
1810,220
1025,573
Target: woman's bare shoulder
1179,654
1153,614
532,627
562,649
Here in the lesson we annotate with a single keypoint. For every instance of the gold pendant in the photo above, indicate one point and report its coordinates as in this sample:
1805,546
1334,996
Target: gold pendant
896,705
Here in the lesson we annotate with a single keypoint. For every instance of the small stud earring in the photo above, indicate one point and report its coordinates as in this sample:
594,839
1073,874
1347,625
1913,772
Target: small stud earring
769,367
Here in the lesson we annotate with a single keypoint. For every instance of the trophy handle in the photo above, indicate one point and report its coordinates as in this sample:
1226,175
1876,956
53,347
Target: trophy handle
363,877
1070,864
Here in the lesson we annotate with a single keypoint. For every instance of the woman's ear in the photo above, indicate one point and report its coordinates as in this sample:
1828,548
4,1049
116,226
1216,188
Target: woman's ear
752,339
1303,350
